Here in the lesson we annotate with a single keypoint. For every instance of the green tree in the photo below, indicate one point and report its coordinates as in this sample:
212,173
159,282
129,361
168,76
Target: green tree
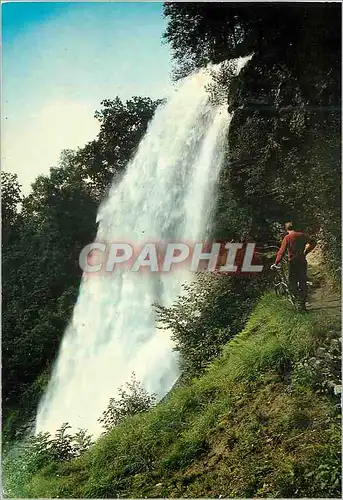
122,126
41,275
10,198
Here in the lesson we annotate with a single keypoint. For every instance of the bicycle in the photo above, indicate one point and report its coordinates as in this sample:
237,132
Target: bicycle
281,285
282,289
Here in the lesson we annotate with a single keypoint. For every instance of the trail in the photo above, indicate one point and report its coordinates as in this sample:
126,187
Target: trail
322,297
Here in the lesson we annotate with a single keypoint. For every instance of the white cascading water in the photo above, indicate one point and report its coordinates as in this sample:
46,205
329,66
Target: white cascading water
166,194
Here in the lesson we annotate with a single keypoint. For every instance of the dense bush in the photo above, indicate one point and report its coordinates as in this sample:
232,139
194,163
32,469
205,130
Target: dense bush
33,453
322,371
23,459
211,311
133,398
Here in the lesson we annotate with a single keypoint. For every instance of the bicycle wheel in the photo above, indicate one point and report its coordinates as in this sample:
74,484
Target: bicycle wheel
281,289
292,298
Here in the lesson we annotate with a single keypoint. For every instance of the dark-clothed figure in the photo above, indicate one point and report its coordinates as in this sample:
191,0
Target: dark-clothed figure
298,245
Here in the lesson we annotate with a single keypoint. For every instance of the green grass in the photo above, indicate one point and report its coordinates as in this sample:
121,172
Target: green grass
241,430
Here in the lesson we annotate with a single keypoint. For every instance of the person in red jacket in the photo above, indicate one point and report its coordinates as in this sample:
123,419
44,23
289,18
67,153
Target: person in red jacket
297,244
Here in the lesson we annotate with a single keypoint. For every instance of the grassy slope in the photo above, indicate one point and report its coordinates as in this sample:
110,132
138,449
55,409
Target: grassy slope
243,429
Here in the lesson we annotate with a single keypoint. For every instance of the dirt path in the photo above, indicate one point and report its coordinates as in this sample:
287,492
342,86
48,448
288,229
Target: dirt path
321,297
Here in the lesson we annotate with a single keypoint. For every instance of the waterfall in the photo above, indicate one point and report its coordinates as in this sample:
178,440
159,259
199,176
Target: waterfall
166,194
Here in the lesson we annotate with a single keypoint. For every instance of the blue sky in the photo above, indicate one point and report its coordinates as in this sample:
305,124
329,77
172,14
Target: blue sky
60,60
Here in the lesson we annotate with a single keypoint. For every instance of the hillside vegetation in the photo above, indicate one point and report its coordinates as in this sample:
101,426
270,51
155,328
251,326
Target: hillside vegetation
263,420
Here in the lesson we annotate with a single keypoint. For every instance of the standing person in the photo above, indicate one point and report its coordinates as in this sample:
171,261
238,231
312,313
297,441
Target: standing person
298,245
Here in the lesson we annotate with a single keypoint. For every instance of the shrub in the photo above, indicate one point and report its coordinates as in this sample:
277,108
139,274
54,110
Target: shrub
134,399
212,310
26,458
322,371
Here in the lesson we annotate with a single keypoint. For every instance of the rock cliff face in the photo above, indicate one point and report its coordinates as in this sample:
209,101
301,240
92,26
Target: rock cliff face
283,159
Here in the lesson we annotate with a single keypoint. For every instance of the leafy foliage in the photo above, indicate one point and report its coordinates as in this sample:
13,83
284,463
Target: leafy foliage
211,311
132,399
322,371
214,32
34,453
122,126
10,197
23,459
